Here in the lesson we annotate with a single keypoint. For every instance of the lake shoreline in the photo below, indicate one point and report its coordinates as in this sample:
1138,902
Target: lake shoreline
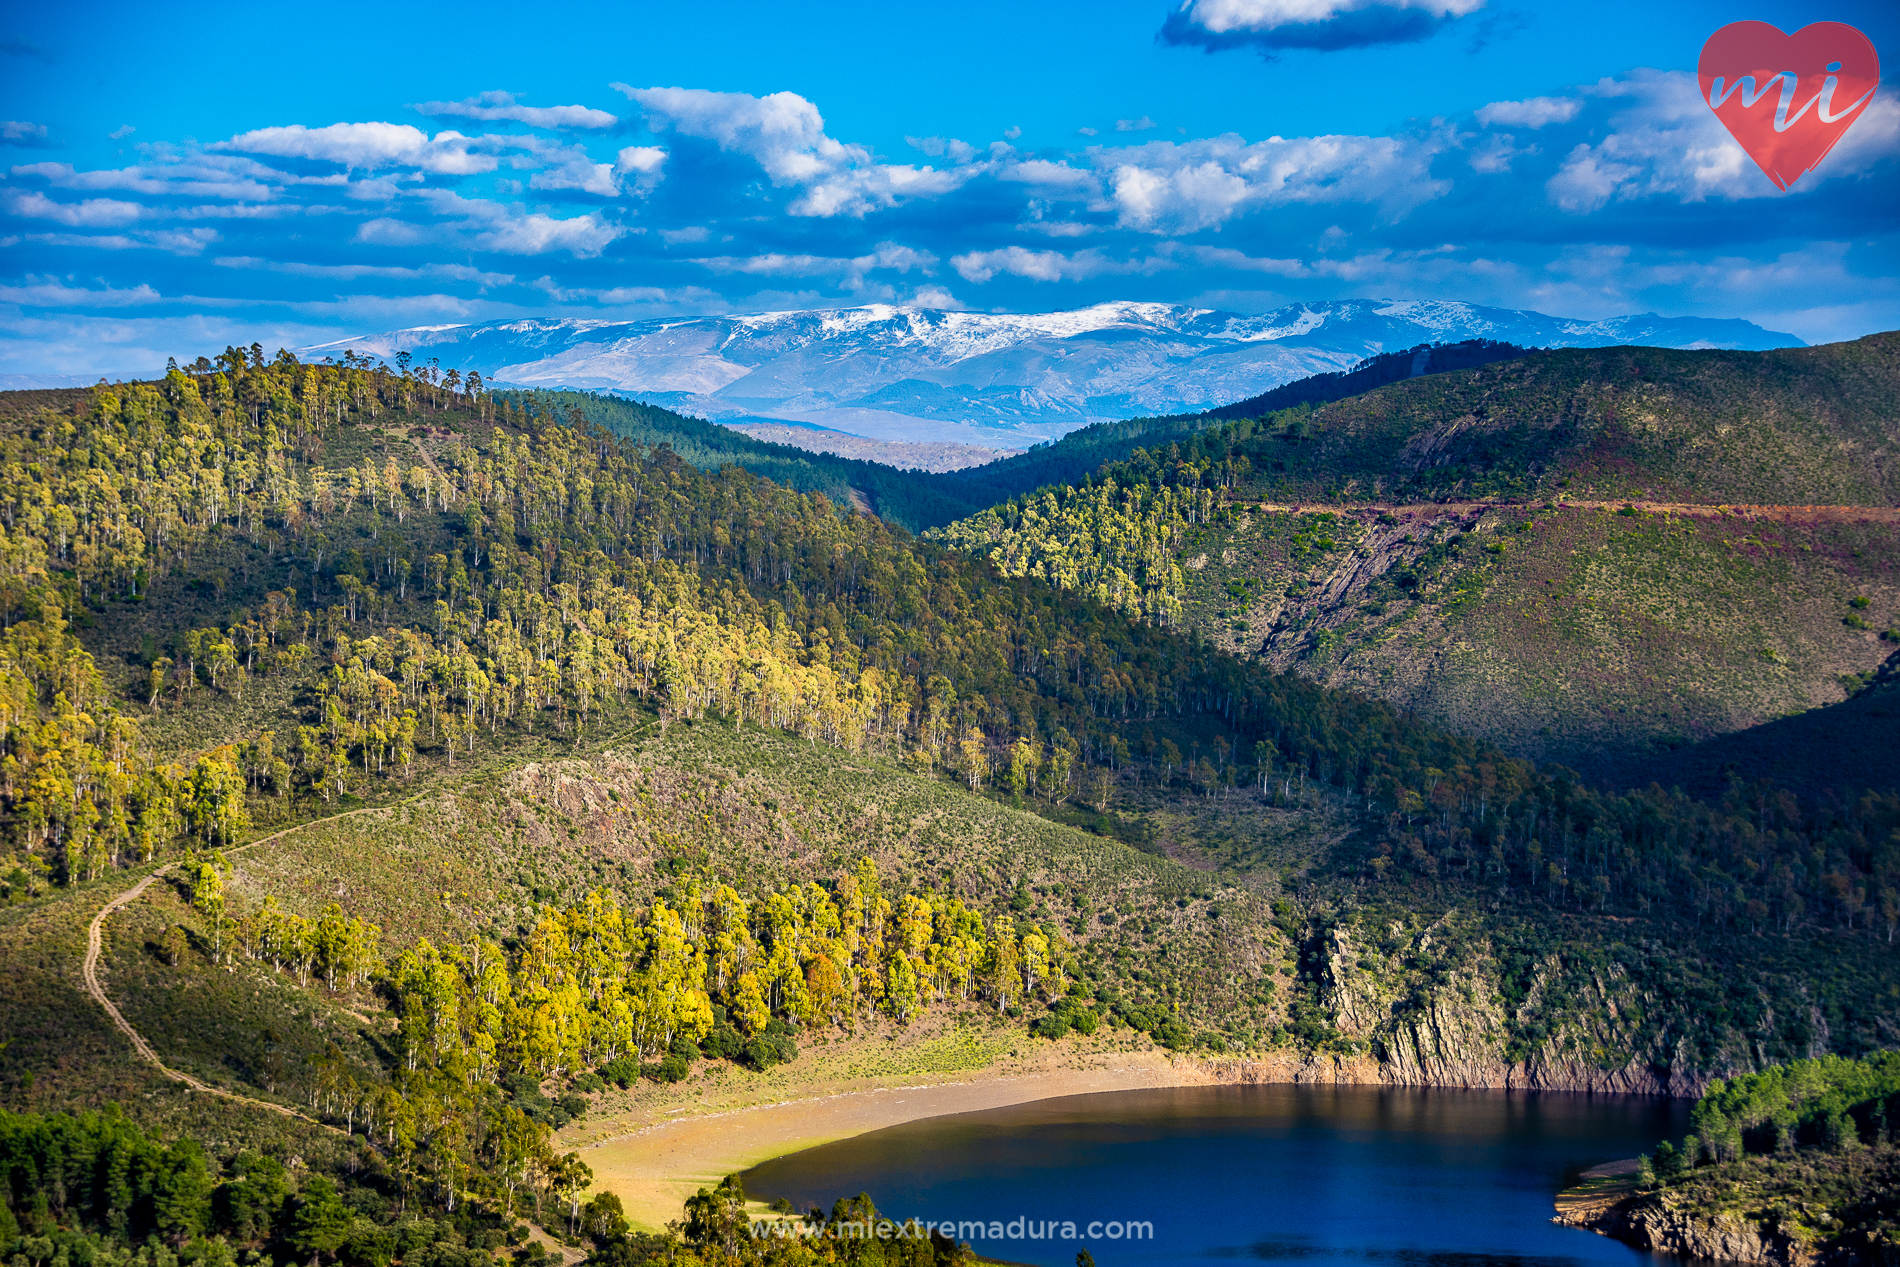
654,1166
654,1169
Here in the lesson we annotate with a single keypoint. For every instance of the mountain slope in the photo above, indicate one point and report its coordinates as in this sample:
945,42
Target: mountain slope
1391,543
597,768
986,378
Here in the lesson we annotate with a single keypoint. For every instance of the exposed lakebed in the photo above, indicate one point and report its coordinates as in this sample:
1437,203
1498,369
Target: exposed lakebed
1266,1173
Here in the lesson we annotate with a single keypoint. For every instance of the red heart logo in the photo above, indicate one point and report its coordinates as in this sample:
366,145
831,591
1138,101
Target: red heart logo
1788,98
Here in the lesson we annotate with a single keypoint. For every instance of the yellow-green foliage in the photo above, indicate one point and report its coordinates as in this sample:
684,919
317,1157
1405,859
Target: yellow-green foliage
76,783
536,574
1114,544
593,984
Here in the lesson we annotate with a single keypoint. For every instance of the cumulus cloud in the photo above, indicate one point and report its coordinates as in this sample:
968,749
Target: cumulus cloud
1664,141
1047,266
1532,113
939,147
174,241
1496,153
1271,25
121,132
51,292
849,272
481,225
369,145
785,135
573,168
352,272
1134,125
20,133
640,167
93,213
1183,187
1050,179
200,176
494,107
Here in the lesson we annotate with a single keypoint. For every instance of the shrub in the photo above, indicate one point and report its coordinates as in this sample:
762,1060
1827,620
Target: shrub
723,1043
573,1105
622,1072
774,1047
1053,1025
587,1080
1173,1035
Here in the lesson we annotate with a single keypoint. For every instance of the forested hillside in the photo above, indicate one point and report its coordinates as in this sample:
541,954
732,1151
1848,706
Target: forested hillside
601,769
918,501
1563,552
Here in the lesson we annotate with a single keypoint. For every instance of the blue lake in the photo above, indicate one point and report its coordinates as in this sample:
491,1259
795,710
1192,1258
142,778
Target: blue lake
1305,1174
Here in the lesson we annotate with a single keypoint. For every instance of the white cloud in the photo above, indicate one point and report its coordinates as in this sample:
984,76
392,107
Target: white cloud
1184,187
1533,113
201,176
936,297
1011,132
573,169
691,233
1497,153
481,225
1088,131
785,135
1047,266
1052,179
888,256
1666,142
121,132
18,132
370,145
1231,17
645,164
350,272
1134,125
93,213
938,147
696,300
50,292
501,106
175,241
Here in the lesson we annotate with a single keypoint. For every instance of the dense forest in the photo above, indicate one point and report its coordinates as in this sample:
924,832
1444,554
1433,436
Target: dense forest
379,572
519,572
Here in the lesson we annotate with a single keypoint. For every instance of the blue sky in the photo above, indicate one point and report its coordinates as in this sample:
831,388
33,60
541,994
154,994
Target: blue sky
176,178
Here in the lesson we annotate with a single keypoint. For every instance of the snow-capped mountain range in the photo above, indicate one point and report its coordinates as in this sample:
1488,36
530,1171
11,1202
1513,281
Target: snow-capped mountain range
1006,379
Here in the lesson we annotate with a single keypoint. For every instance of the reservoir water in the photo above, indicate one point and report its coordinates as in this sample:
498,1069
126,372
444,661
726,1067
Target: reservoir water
1296,1174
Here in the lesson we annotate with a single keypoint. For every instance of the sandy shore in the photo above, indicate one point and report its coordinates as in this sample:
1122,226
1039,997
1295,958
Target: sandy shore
653,1170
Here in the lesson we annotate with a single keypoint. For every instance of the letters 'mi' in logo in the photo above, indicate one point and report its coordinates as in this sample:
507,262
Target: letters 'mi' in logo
1811,86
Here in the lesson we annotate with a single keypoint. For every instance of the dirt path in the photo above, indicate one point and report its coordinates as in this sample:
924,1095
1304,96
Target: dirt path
95,947
1777,514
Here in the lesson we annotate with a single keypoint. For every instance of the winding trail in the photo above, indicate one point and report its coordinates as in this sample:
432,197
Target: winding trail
95,947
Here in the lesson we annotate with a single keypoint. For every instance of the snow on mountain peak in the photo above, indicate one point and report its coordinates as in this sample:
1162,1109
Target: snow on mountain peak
905,372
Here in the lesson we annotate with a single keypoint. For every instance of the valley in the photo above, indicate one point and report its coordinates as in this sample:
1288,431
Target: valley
1542,592
471,790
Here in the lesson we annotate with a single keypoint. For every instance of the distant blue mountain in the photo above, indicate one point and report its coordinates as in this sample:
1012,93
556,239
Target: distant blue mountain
1005,379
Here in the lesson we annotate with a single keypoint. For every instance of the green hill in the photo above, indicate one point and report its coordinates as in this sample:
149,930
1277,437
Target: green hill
1425,543
494,769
